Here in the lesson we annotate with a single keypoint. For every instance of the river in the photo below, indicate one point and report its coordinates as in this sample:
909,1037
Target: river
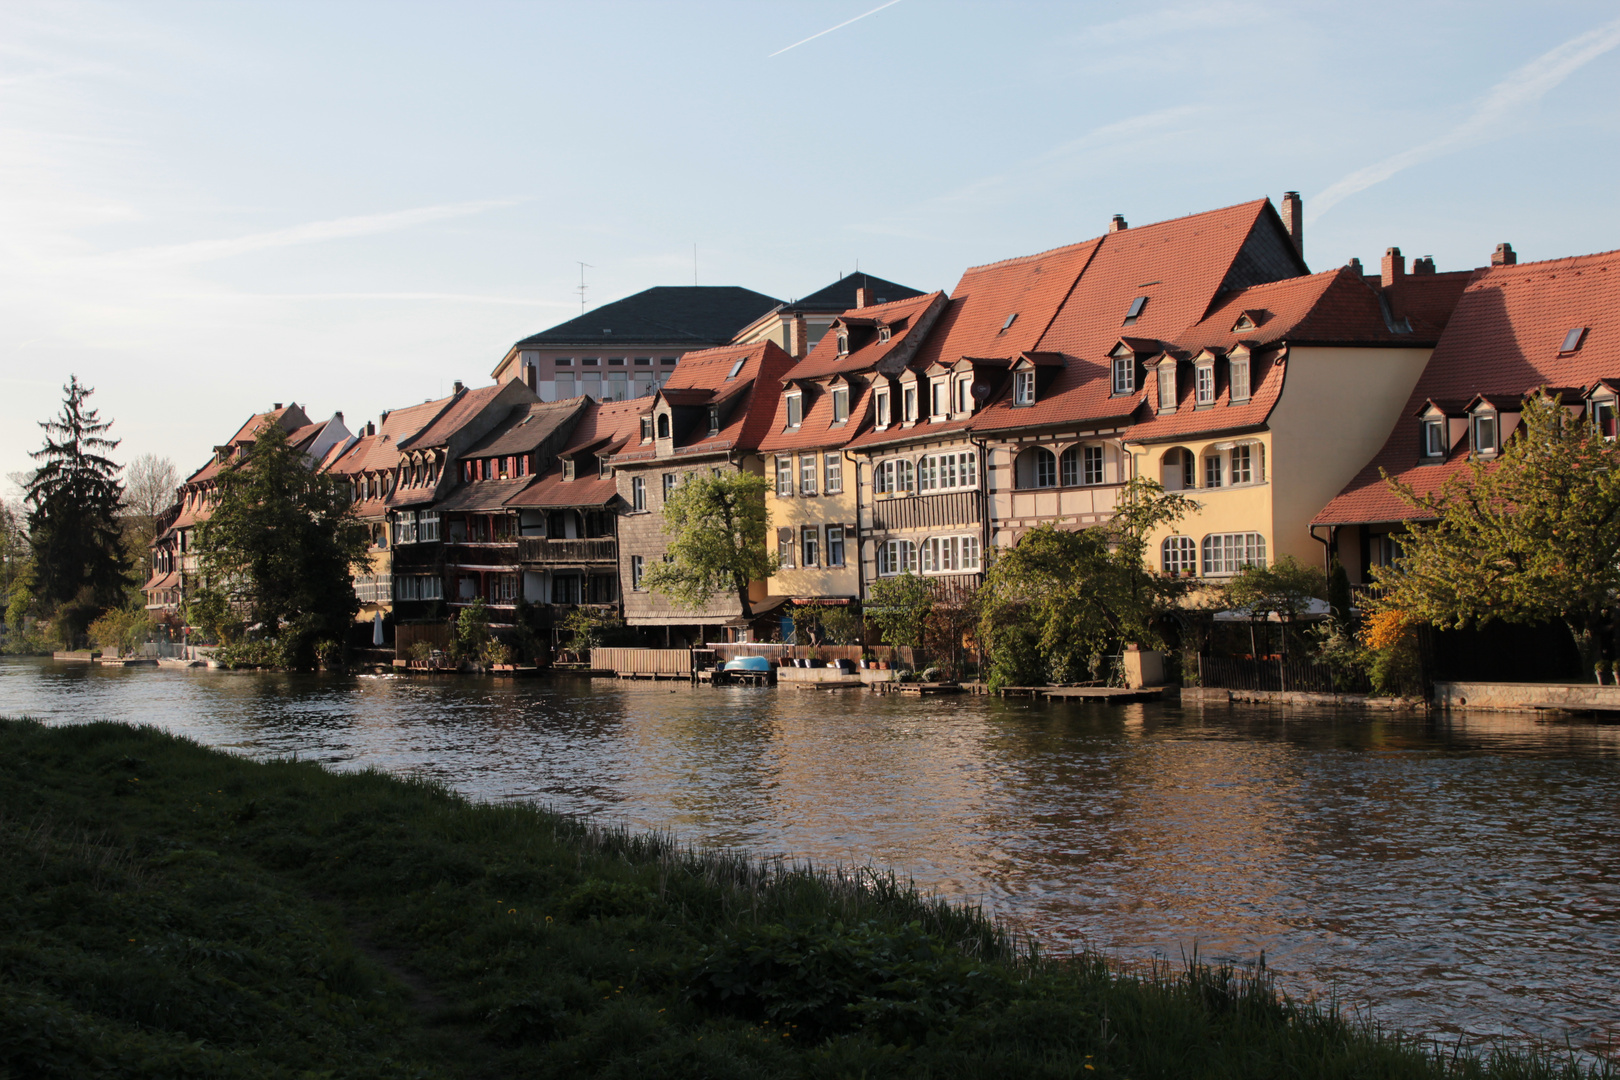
1453,875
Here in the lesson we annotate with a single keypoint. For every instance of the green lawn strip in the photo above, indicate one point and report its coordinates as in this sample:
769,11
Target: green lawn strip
177,911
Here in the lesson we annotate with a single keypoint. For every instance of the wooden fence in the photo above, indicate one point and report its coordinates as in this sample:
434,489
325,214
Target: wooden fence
776,651
654,663
1244,673
436,634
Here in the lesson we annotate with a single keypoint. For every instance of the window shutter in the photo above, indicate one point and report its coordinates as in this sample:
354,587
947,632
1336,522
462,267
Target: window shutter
1259,463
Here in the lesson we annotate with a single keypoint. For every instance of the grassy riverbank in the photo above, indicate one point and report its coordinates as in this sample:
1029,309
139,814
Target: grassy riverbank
175,911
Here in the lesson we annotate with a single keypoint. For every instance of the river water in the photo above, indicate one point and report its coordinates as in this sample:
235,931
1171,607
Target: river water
1453,876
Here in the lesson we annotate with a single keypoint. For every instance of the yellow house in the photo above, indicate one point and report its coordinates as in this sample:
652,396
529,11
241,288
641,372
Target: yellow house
826,402
1266,408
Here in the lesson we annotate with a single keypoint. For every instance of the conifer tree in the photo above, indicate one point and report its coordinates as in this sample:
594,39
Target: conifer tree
73,498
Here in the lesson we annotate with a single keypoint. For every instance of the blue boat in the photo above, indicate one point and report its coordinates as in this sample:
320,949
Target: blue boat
748,663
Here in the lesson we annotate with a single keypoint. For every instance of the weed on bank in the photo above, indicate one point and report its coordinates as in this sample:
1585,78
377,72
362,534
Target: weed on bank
173,911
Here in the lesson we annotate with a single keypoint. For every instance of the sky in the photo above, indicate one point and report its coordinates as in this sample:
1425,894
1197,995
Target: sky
209,208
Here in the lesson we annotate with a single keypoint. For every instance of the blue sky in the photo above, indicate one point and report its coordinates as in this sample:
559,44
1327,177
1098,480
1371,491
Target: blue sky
206,208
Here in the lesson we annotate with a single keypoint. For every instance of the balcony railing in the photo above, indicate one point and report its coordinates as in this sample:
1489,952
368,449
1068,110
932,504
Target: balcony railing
534,549
476,554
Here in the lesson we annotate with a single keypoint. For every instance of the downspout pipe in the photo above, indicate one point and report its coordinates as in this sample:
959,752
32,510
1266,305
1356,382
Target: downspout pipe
1327,547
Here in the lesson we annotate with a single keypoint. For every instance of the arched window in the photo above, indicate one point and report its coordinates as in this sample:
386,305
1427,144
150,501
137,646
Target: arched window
1036,467
1179,555
1081,465
1178,465
663,425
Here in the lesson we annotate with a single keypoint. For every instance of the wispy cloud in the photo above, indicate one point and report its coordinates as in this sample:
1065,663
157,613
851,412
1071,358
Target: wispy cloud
840,26
314,232
1526,85
426,297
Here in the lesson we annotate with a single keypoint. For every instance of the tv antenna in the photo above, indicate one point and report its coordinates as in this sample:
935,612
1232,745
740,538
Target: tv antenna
582,286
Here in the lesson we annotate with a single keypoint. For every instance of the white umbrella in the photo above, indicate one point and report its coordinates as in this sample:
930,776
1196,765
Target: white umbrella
376,629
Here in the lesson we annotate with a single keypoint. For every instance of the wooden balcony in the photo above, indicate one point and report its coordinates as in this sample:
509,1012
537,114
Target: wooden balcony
542,552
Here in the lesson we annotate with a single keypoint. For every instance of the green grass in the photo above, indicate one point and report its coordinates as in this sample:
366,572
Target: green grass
176,911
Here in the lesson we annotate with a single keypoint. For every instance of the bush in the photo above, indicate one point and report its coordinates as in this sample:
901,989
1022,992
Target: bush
1390,637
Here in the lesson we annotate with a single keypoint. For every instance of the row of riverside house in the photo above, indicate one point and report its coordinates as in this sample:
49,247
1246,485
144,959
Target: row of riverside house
909,432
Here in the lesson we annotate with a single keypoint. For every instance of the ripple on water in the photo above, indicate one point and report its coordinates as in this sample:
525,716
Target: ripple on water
1455,876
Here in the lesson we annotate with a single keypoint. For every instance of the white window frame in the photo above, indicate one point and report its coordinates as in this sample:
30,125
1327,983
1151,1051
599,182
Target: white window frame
880,409
1475,423
834,468
1242,466
809,546
807,474
909,396
795,410
638,569
1178,554
1124,373
896,557
939,397
840,404
1167,388
786,549
835,545
784,477
883,478
1204,384
671,482
905,476
638,494
1237,379
1224,554
1023,388
1214,470
1434,437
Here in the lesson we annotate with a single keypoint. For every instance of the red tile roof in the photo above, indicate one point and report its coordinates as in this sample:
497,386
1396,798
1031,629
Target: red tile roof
289,417
1503,338
376,453
702,377
1426,300
1178,265
824,359
603,428
460,410
526,427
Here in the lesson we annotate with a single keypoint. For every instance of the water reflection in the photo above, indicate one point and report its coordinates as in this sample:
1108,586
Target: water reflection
1457,875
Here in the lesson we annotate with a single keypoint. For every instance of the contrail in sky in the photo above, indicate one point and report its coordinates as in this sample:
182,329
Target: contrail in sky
1525,85
312,233
840,26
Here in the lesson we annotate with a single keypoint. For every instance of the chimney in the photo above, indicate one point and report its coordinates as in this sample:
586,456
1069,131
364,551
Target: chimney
1424,265
371,429
797,334
1118,224
860,296
1293,218
1394,267
531,376
1504,255
1355,266
277,405
458,387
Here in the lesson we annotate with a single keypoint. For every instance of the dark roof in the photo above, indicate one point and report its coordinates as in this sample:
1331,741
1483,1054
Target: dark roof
839,297
525,428
691,316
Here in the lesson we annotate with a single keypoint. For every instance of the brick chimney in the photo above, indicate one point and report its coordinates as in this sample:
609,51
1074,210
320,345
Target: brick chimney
458,386
860,297
1355,266
1293,219
1504,255
1118,224
1394,267
1424,265
276,406
531,377
371,429
797,335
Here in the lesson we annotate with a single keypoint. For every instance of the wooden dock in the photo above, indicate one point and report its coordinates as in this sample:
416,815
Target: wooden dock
917,689
1105,695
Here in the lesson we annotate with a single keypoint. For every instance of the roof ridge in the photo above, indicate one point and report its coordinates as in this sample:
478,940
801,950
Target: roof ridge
1542,263
919,298
1028,258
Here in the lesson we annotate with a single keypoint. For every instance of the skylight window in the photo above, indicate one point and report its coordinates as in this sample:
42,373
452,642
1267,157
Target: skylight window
1572,340
1008,324
732,374
1135,310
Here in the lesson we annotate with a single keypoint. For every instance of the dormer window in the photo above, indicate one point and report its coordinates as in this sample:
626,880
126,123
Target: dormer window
910,399
1204,382
646,429
1023,388
880,408
795,410
840,404
714,420
1246,321
1603,416
883,333
1573,339
738,366
939,392
1134,312
663,425
601,466
1484,433
1167,387
568,468
843,343
964,395
1124,371
1434,438
1237,377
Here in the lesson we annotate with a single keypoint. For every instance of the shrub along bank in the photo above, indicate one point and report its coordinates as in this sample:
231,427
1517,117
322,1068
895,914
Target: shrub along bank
177,911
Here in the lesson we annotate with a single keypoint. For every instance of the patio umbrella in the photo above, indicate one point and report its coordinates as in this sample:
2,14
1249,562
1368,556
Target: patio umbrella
376,629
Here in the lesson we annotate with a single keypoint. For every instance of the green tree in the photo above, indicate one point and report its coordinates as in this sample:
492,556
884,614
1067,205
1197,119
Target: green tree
1059,600
717,525
899,607
1531,537
1286,587
279,551
73,498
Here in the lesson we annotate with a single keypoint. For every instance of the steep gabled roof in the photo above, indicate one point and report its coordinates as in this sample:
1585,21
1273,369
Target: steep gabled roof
289,418
905,318
374,453
751,394
689,315
460,410
1169,273
1503,339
